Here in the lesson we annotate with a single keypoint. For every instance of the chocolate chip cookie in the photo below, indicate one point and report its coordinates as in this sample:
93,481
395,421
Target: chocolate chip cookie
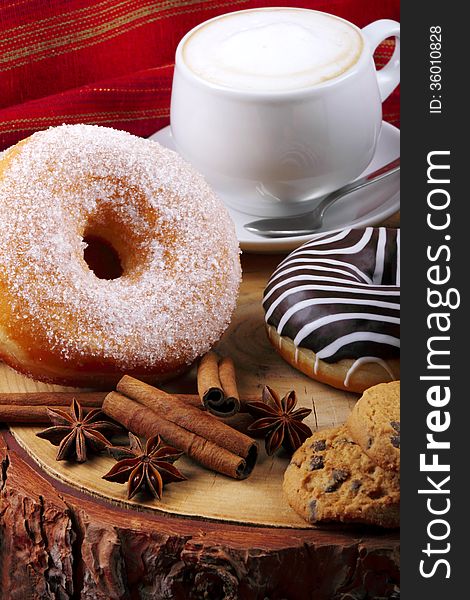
330,478
375,424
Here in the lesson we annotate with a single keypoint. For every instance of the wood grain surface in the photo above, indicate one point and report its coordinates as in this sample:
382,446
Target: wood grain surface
257,364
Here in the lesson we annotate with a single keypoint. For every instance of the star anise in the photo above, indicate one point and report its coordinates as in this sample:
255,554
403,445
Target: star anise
74,433
279,422
144,470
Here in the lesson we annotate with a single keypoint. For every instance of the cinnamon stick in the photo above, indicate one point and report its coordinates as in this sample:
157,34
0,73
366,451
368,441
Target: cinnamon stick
187,416
241,422
209,386
30,408
30,415
195,400
144,421
94,399
231,403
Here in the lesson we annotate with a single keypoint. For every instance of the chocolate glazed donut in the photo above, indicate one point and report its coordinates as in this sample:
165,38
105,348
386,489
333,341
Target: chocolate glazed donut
333,308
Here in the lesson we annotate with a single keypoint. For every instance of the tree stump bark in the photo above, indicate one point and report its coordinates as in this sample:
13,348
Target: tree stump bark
58,543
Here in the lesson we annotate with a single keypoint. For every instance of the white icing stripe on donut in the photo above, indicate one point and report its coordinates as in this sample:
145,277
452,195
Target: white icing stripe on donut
315,365
332,288
324,261
311,290
380,257
362,290
310,268
319,241
360,245
311,327
362,361
357,336
331,301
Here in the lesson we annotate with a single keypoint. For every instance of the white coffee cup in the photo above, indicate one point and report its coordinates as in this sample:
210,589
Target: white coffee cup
270,141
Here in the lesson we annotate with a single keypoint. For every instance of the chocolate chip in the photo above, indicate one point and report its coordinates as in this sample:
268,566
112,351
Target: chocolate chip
369,442
319,445
316,463
339,476
395,439
313,511
395,425
355,485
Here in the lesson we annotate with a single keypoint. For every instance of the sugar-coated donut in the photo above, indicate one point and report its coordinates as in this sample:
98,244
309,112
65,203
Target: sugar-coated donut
333,308
176,245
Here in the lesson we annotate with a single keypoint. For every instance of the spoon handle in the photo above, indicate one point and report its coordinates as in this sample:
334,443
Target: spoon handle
312,221
358,184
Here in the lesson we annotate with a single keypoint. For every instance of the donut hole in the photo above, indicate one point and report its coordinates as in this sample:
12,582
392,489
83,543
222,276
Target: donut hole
102,258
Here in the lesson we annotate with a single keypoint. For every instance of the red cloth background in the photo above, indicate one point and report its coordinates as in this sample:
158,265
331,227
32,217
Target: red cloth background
110,62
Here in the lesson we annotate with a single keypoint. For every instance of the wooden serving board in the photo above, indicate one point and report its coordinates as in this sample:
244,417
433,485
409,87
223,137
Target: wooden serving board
208,497
257,363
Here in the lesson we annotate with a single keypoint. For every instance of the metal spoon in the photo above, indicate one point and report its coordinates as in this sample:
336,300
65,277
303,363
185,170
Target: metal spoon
312,221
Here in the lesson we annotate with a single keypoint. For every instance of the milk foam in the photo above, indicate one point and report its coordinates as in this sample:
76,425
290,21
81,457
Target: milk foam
272,49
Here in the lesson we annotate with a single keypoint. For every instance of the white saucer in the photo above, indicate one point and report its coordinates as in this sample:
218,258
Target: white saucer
365,207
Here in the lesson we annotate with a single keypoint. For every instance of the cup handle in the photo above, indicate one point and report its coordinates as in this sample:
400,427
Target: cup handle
375,33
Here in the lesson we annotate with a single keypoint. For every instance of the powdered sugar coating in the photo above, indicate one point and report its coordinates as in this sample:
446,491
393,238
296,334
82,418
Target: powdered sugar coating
176,240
